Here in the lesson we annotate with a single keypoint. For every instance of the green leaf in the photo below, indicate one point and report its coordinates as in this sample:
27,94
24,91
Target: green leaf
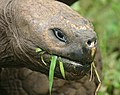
51,72
52,67
62,68
38,50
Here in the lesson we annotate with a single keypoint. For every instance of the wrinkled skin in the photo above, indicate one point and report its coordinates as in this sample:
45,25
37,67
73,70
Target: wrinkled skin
24,81
50,25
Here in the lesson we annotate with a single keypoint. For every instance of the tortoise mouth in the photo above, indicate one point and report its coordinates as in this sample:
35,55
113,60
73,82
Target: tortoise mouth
73,69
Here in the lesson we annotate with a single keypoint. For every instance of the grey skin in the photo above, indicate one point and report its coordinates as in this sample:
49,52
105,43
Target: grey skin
50,25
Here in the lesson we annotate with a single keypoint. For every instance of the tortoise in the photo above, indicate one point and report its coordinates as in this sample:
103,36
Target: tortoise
47,24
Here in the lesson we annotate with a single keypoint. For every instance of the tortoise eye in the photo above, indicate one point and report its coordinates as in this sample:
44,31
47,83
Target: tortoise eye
59,34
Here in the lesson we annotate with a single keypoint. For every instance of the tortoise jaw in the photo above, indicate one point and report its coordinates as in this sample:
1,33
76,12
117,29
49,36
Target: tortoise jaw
73,70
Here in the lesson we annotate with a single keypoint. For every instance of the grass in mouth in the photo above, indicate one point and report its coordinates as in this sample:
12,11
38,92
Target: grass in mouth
52,67
54,59
96,73
51,72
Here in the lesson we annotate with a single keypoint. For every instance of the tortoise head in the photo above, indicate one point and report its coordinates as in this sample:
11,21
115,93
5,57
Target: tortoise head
57,30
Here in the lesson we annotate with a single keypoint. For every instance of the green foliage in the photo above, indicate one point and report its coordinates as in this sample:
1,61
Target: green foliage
105,15
51,72
38,50
61,68
52,67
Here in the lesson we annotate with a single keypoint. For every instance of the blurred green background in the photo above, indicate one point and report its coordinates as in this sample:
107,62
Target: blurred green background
105,16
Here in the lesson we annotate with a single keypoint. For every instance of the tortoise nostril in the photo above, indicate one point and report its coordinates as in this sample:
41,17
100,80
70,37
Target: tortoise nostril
91,43
95,42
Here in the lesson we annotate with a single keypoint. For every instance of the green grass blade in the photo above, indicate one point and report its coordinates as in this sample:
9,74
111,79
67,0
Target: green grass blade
38,50
51,72
62,68
98,77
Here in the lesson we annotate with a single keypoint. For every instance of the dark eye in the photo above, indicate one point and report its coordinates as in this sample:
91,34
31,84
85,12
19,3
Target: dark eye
59,34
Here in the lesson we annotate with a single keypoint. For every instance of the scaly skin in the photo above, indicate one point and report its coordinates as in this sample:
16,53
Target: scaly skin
50,25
